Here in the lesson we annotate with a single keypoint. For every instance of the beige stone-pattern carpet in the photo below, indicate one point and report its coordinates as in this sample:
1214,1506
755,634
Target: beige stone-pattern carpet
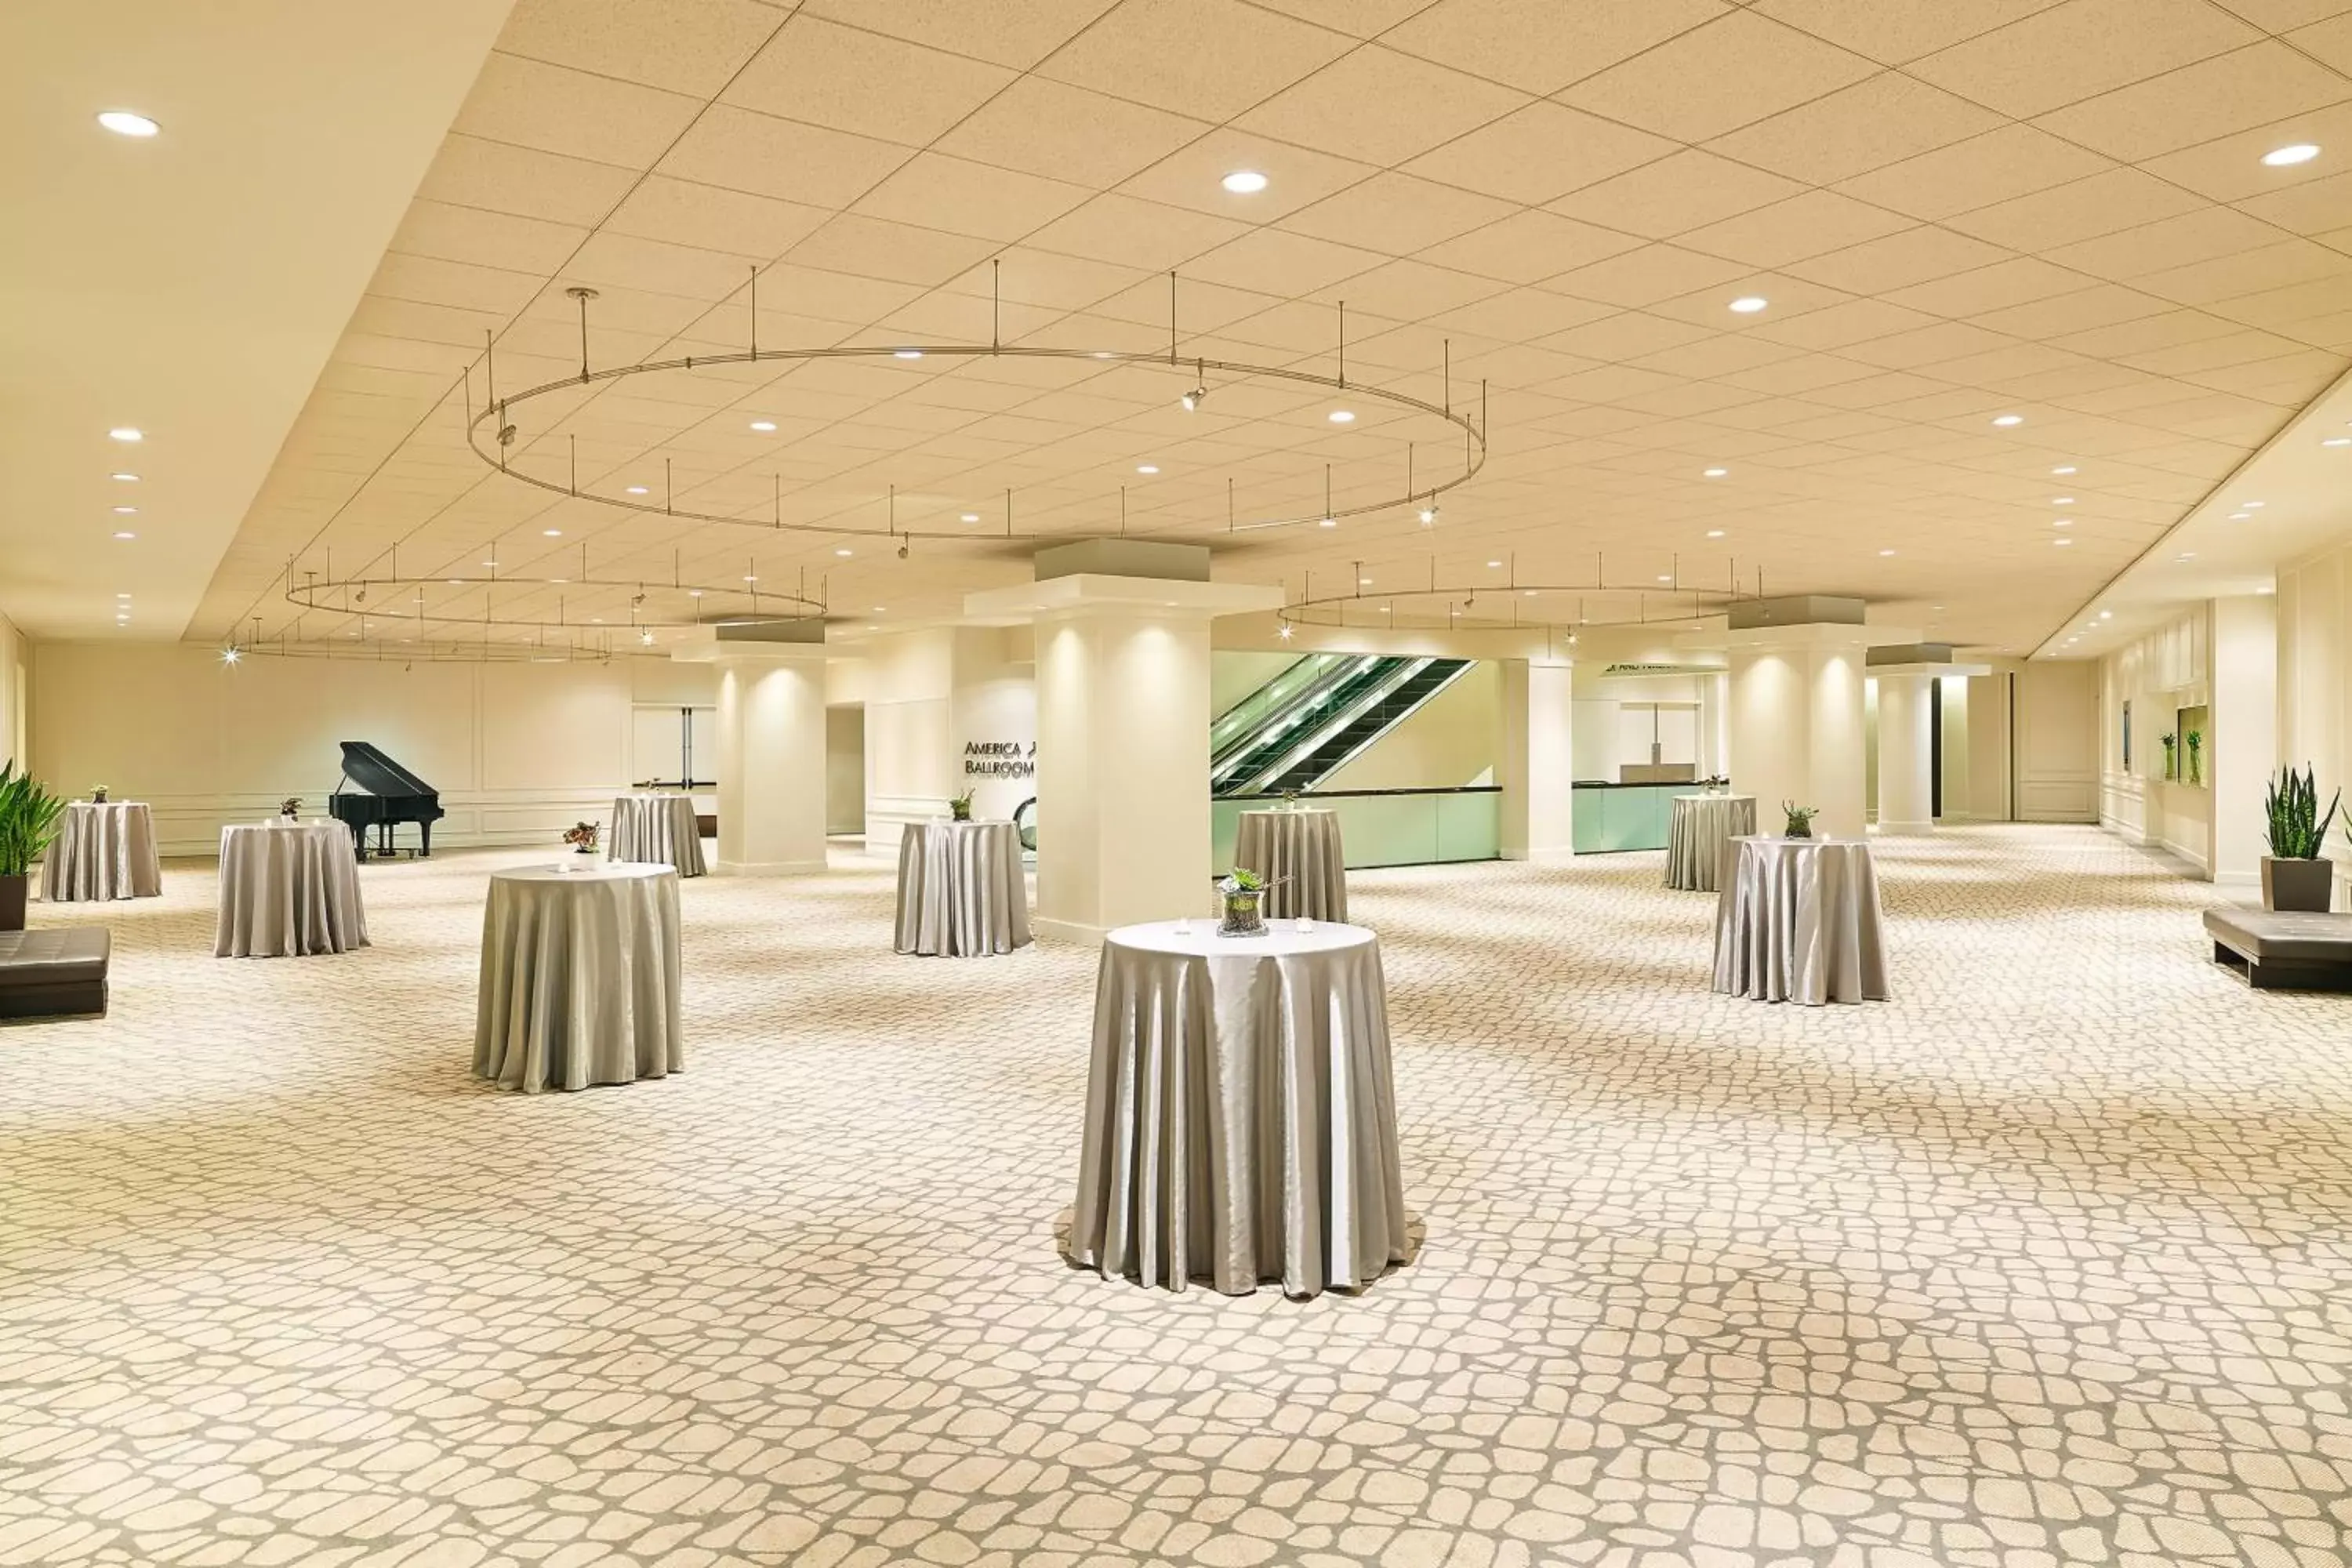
2045,1261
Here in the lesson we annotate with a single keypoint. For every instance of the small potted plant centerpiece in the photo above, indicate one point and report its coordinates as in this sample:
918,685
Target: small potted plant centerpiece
1800,819
2169,741
582,837
959,807
2296,873
2195,741
98,794
1243,892
29,818
290,808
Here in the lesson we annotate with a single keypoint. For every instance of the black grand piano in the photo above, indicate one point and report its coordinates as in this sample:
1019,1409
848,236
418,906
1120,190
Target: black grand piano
392,795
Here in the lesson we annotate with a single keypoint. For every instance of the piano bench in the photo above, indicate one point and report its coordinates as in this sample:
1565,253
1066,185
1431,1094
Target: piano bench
58,973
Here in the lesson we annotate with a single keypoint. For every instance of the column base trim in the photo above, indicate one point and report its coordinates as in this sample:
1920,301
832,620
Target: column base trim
1067,930
766,867
1906,829
1550,855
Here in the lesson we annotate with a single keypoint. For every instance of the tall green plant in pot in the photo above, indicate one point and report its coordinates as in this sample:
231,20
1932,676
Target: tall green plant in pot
2296,875
28,823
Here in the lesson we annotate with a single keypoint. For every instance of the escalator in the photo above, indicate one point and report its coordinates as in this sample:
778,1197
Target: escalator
1317,715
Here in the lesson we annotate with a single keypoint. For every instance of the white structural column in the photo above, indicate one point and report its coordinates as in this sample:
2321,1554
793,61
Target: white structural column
1535,767
1906,799
1796,722
1122,743
770,756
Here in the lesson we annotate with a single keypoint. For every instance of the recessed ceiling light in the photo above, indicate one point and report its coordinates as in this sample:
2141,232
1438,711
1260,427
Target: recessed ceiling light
2061,542
2240,516
2006,420
552,532
1666,576
750,578
2106,614
906,353
125,534
1363,582
125,479
1886,552
2337,441
694,593
123,596
764,425
1244,182
1329,523
128,433
124,123
1341,416
2250,505
844,552
489,563
972,517
2186,555
2061,500
1147,468
2061,522
1493,564
1713,473
636,489
457,582
881,609
1748,304
2277,157
2063,469
1715,533
126,510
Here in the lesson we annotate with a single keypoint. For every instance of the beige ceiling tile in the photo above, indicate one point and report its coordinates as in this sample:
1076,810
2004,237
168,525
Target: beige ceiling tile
1066,133
526,103
1017,33
2078,378
2315,208
1541,46
2082,47
2104,203
1539,152
848,79
2249,272
714,219
2146,334
1203,307
1513,369
1799,374
1927,346
1270,261
452,233
2013,161
1523,315
2287,380
893,252
1357,18
935,191
1212,59
1717,357
423,280
2223,96
2327,39
471,173
1853,321
1407,290
684,46
1898,261
1643,276
2280,16
1132,233
1029,276
1397,214
1892,31
1881,120
2100,305
1381,106
1786,296
739,150
622,261
1689,189
2289,311
2231,168
2017,281
1787,231
1752,66
1687,399
2004,369
1529,247
2222,349
1628,335
1297,176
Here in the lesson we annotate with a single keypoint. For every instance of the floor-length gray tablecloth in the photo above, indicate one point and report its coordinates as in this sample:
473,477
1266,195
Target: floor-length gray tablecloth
1299,853
104,850
655,829
961,890
1699,829
1241,1117
288,890
1798,922
579,976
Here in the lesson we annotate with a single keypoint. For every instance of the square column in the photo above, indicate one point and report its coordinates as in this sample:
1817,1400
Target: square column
1796,722
770,727
1906,798
1535,766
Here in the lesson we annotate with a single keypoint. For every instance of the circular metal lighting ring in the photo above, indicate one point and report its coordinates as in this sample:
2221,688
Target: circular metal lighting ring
400,602
494,423
1686,603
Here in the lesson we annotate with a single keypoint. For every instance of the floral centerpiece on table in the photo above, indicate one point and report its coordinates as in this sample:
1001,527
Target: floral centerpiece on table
1243,892
290,808
2169,741
1800,819
2195,741
959,807
583,835
98,794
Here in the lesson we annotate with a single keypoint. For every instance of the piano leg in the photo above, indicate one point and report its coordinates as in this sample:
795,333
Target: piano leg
358,840
424,833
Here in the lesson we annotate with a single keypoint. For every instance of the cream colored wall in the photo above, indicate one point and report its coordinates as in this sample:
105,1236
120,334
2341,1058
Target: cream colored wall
844,768
517,752
1234,674
2168,668
1449,741
14,689
2314,695
926,695
2056,741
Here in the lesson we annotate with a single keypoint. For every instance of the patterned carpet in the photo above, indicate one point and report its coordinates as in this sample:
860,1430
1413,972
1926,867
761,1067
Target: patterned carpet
2046,1261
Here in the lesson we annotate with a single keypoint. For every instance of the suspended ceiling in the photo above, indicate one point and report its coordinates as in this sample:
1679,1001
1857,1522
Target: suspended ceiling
1957,212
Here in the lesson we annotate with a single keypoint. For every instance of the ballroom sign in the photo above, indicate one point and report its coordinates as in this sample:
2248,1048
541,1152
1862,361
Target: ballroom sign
1000,760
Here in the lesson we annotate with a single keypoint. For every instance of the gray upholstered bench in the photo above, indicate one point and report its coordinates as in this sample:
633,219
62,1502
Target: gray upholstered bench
2282,949
54,973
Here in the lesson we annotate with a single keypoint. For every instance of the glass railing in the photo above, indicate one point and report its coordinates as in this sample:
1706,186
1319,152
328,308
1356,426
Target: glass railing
1385,827
1234,725
1295,725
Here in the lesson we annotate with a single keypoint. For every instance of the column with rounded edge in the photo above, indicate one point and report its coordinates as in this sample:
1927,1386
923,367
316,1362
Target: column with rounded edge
1797,673
771,734
1906,798
1535,765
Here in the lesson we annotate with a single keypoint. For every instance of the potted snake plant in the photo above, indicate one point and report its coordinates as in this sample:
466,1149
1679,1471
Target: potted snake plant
2296,873
28,824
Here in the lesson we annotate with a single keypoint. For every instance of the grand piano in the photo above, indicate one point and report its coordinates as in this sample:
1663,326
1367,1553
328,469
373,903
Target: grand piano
392,795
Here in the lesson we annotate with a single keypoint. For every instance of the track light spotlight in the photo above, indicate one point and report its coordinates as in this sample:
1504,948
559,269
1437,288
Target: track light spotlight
1193,399
1429,514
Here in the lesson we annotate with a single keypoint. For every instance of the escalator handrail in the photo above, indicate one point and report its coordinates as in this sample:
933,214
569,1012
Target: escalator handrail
1391,671
1363,672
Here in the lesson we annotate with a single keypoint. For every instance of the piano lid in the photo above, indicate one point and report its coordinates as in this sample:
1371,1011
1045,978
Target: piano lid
379,774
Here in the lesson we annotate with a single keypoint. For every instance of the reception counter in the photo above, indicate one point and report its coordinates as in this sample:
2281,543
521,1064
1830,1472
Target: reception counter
1610,816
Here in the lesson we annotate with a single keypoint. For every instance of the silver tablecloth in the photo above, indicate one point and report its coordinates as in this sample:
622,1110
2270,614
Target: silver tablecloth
1798,922
288,890
103,852
961,890
655,830
1299,852
1700,828
1241,1117
580,975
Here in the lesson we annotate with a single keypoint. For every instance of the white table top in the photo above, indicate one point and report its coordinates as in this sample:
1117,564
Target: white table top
1288,811
273,823
1282,939
1704,795
1816,842
592,869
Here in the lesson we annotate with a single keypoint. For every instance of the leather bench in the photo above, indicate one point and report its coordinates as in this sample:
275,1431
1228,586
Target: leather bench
2283,949
54,973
